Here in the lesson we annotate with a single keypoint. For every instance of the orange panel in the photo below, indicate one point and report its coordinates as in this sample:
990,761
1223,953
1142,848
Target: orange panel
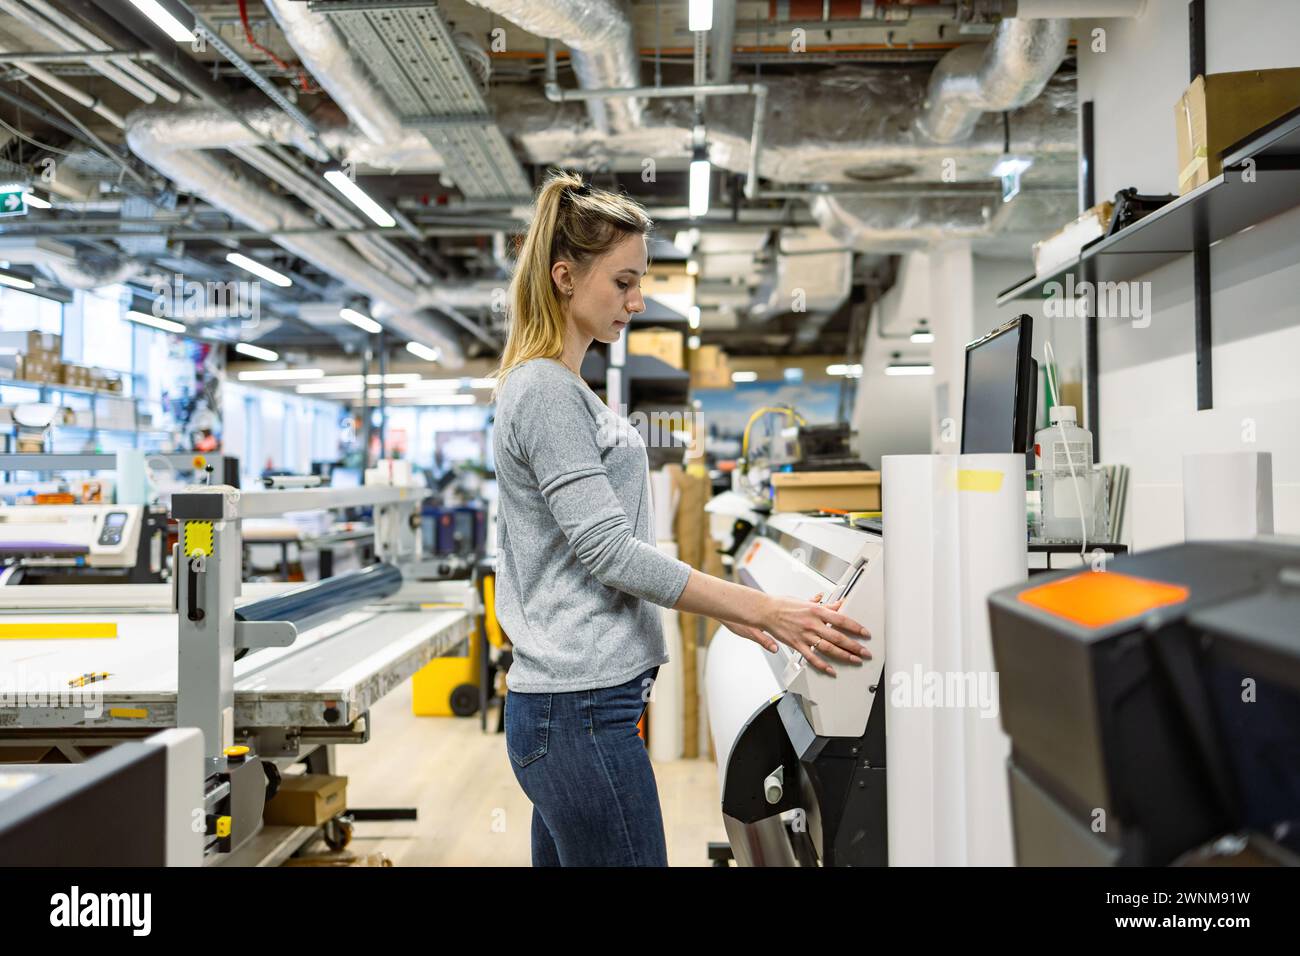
1098,598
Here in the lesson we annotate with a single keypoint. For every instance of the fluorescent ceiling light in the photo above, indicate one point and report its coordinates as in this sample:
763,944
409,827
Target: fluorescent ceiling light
693,317
16,282
1010,165
482,383
843,369
909,369
699,15
358,197
163,19
744,376
364,322
35,201
701,173
257,352
416,399
262,271
922,337
281,374
420,350
325,388
693,342
167,325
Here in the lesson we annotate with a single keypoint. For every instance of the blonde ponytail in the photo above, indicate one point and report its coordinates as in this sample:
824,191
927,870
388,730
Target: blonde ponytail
572,221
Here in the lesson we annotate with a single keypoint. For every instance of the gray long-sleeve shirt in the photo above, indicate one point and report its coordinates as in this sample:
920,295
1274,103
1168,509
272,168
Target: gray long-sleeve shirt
578,573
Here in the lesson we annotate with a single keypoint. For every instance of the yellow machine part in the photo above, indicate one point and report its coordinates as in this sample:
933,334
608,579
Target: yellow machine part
433,684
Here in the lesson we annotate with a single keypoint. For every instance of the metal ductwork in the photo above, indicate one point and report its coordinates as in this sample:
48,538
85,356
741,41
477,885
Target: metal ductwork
874,224
1008,72
601,45
151,137
65,266
842,125
333,66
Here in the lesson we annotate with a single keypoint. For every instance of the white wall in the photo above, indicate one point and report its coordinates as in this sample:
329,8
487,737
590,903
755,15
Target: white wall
1147,388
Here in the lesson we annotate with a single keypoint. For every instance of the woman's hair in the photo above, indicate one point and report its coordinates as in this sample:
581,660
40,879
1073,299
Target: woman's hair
573,221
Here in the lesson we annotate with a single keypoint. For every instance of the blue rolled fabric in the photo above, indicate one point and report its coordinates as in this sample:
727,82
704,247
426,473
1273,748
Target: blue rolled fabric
313,604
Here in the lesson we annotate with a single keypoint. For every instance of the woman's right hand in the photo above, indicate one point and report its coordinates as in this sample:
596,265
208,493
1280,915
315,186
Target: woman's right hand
810,628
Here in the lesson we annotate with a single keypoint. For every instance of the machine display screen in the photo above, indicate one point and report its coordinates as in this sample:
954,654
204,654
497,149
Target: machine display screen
989,419
115,519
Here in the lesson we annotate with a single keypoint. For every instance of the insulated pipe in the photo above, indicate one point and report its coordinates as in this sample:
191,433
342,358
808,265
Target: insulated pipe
150,136
71,92
97,43
602,49
316,603
1004,74
61,39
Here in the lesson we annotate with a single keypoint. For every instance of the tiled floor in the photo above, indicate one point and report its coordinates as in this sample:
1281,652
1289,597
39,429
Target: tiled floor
471,810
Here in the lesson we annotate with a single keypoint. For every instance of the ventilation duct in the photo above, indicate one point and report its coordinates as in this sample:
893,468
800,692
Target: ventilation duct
601,45
1006,73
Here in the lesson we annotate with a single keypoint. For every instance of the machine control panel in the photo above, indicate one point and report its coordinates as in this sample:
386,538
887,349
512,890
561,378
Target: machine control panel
110,534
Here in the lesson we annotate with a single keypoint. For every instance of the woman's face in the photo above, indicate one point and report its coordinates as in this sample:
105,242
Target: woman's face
607,293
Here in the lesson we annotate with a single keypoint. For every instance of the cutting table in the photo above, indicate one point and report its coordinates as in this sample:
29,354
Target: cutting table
325,681
267,674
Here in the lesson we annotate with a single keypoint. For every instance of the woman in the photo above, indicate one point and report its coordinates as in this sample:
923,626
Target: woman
579,576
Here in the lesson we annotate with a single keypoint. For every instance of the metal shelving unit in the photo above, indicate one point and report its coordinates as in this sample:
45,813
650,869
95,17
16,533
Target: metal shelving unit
1260,180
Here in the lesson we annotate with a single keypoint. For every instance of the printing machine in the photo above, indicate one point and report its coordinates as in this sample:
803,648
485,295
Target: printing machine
793,744
1154,707
102,542
266,681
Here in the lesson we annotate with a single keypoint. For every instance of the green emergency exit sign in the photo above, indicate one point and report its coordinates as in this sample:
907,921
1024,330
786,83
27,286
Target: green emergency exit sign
12,204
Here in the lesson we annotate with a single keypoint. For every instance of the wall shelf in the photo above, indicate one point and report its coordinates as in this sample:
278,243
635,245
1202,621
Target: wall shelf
1260,180
1221,208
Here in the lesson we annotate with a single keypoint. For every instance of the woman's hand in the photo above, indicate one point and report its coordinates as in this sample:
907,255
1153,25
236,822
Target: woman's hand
810,628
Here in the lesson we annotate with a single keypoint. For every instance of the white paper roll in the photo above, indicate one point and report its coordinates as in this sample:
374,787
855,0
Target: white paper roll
738,681
994,554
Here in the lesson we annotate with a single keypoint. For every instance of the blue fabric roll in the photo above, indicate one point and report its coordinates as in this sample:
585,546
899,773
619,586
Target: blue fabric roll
313,604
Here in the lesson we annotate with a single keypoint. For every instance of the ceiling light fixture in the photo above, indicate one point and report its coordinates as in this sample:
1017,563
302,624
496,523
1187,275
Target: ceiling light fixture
165,325
359,198
257,352
163,19
364,322
259,270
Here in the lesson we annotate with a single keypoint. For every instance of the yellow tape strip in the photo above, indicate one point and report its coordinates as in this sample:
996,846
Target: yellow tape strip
57,631
968,479
198,538
129,713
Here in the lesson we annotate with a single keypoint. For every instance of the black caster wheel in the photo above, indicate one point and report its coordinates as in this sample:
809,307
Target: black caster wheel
337,833
464,700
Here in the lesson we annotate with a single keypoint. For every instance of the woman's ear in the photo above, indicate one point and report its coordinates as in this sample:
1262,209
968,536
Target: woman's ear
562,276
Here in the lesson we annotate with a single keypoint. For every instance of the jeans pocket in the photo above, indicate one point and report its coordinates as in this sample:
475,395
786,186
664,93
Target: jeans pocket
528,726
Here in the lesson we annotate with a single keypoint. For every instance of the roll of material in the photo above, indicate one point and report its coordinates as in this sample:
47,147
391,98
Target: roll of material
739,681
923,745
956,532
315,603
993,555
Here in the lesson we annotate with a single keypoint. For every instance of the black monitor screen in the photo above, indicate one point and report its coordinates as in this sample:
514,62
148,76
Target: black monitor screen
997,373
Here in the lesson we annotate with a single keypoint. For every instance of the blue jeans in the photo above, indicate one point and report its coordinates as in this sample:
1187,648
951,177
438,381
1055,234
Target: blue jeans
580,761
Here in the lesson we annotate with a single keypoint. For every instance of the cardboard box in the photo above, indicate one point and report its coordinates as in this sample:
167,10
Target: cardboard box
663,344
709,368
46,342
838,490
1221,109
307,800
